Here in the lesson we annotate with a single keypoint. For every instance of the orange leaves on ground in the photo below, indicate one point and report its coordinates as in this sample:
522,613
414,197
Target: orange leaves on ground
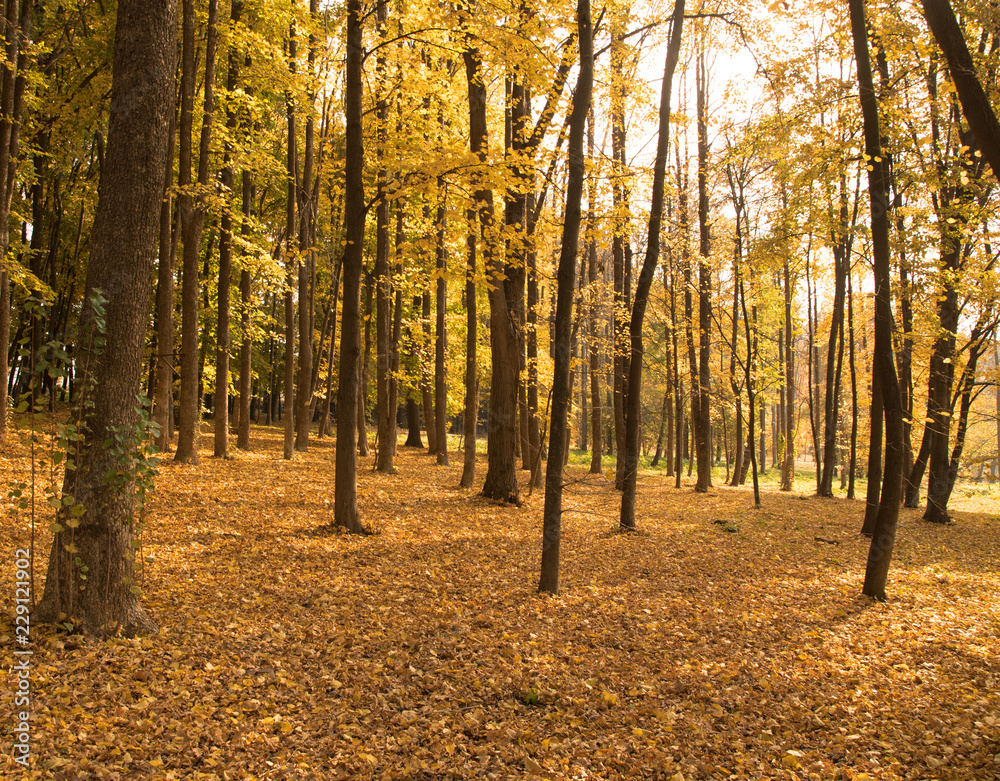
683,652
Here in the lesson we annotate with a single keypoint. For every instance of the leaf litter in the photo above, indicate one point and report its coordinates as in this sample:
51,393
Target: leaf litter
718,643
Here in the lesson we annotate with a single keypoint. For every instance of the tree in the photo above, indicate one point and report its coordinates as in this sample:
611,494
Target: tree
121,266
561,385
192,211
634,384
227,180
884,536
975,103
345,501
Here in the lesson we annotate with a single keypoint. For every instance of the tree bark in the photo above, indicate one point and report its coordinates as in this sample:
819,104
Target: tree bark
501,476
385,414
164,378
471,365
192,213
883,539
561,388
345,502
121,265
703,419
228,180
645,281
440,335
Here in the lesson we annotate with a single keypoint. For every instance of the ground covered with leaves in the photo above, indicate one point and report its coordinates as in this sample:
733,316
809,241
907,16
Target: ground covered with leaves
718,643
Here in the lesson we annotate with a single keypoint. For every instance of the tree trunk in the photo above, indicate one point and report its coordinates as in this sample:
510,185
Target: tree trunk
246,339
291,262
853,461
192,212
306,260
703,419
501,476
124,233
363,380
645,281
883,539
164,380
834,352
441,336
788,466
426,385
345,502
561,388
620,239
225,258
975,102
385,414
471,366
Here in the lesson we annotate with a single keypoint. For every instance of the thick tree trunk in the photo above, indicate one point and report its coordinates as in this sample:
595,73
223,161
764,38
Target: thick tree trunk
122,247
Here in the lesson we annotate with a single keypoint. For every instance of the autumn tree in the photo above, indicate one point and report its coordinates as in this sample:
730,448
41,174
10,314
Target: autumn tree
645,281
101,599
562,390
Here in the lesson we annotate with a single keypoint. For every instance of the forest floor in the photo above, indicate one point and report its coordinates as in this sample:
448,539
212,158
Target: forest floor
720,642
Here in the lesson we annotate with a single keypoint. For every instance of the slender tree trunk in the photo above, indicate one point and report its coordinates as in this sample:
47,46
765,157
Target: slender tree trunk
853,462
385,414
192,212
561,388
834,352
227,180
246,338
633,404
883,539
471,364
345,503
788,466
163,395
440,336
703,420
363,381
618,248
10,123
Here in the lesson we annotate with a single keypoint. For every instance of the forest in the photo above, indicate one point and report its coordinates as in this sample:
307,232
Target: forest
500,390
